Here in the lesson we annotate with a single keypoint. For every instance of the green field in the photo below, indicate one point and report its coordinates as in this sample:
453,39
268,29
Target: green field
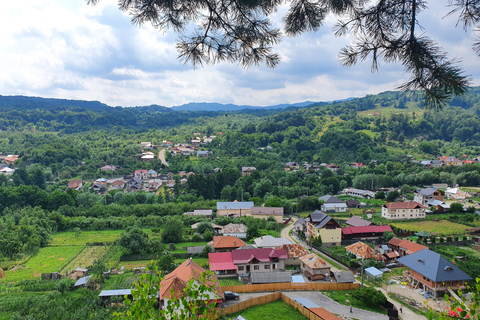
70,239
48,259
276,310
85,258
439,227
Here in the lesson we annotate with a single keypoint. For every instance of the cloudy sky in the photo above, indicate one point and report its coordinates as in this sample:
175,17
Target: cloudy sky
68,49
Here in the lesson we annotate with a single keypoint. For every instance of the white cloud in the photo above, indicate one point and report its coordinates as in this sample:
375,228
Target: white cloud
67,49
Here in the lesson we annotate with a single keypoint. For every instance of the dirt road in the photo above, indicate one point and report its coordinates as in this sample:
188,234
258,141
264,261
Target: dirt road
161,157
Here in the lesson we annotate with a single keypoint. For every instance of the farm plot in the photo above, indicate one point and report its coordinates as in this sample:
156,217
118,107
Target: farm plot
440,227
70,238
86,258
48,259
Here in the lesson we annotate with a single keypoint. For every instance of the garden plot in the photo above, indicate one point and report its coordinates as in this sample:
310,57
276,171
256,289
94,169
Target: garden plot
85,258
48,259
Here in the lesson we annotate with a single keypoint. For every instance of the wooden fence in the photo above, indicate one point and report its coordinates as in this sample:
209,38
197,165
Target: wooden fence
267,299
292,286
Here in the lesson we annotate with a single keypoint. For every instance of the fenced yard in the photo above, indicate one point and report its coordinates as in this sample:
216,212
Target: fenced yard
291,286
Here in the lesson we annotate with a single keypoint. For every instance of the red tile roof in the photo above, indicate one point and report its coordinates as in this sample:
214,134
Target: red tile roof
394,242
363,250
366,229
403,205
294,250
74,184
118,182
410,247
177,280
324,314
224,242
221,261
393,254
141,171
314,261
262,255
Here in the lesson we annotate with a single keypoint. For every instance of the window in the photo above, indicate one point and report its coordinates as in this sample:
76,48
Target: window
240,268
267,266
256,267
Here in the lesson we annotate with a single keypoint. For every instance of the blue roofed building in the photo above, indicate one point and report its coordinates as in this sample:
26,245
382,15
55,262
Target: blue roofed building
234,209
433,273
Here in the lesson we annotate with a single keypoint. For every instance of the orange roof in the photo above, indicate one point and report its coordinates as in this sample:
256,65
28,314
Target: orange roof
314,261
403,205
179,277
227,242
411,247
324,314
394,241
393,254
294,250
11,158
362,250
74,184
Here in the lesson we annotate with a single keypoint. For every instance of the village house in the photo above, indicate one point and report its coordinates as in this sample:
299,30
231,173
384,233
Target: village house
146,145
6,171
11,158
221,264
406,247
259,260
174,283
437,206
456,194
238,230
294,252
117,185
353,203
357,165
452,161
75,184
319,224
106,168
270,242
403,211
99,185
134,185
300,225
291,166
203,154
216,228
141,174
266,212
366,194
226,243
433,273
147,156
314,267
356,221
422,196
363,251
234,209
151,174
248,171
332,167
332,204
365,232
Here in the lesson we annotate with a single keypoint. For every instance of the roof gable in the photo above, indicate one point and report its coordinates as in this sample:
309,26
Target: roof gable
358,222
227,242
262,255
433,266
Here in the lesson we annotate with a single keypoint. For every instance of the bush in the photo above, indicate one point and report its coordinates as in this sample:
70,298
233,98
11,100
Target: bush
196,237
369,296
208,235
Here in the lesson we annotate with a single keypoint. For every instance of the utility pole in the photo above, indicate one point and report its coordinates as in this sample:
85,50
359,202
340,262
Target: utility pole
361,286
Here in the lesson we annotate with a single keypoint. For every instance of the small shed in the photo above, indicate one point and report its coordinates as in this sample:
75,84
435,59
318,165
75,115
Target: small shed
82,282
343,277
373,273
106,294
423,234
271,277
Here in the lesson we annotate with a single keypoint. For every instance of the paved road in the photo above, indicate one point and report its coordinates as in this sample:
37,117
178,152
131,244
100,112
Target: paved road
286,231
161,156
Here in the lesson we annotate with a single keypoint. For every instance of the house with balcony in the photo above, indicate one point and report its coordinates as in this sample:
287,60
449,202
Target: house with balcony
319,224
422,196
314,267
221,264
429,271
403,211
259,260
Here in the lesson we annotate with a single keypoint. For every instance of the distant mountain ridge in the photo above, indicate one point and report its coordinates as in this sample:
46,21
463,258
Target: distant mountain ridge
26,102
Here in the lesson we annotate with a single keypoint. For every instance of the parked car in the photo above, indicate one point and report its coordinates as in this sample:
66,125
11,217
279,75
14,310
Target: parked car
229,295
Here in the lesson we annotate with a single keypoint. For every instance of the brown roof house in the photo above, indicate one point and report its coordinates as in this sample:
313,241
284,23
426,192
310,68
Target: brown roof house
226,243
364,251
406,247
177,281
294,253
265,212
75,184
238,230
358,222
393,243
117,185
314,267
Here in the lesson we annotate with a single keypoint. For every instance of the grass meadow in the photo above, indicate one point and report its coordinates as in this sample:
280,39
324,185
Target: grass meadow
69,238
439,227
48,259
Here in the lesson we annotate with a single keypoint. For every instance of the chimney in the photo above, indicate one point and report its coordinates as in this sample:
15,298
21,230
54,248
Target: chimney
234,242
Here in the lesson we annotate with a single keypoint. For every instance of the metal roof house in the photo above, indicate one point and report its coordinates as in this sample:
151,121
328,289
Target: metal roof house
234,209
319,224
433,273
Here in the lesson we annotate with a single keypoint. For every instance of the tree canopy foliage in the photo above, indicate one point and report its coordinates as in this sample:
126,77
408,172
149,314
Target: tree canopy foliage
242,31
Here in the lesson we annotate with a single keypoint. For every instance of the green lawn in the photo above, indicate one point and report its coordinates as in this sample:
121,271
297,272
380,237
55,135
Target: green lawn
440,227
179,246
48,259
69,238
277,310
119,281
230,282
